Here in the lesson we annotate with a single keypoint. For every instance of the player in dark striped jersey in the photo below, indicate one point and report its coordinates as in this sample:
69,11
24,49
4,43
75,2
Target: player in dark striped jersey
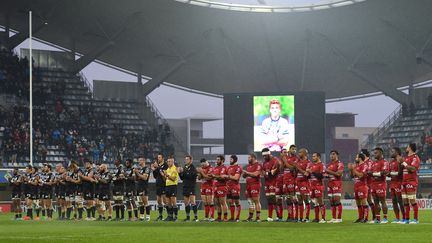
88,190
15,182
118,189
142,173
46,189
103,178
60,190
130,191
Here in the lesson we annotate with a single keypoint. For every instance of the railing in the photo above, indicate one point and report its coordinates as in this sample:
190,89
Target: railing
87,83
163,121
382,128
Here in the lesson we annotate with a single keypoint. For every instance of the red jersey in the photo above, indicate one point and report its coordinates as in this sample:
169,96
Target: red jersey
335,167
302,164
379,166
252,168
232,171
316,168
269,166
290,173
207,170
396,179
220,170
414,161
361,181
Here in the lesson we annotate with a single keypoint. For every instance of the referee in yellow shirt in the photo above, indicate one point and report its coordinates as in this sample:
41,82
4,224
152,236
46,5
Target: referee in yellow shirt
171,181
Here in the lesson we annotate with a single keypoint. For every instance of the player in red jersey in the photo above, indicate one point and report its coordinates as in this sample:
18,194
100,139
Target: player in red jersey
270,167
316,171
370,202
334,172
220,175
233,182
279,186
410,167
358,171
303,186
253,186
379,172
395,173
205,174
289,183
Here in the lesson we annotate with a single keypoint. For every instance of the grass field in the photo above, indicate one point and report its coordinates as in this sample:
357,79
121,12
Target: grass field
84,231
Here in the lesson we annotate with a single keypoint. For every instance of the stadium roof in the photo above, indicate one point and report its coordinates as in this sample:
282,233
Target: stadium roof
360,48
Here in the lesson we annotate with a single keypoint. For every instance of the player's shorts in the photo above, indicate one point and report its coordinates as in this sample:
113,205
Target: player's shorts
118,191
31,195
409,187
395,189
46,195
279,185
317,191
104,196
142,191
252,190
221,191
270,187
160,190
289,186
188,191
379,190
171,191
61,195
206,190
334,188
233,192
361,192
88,195
303,188
129,193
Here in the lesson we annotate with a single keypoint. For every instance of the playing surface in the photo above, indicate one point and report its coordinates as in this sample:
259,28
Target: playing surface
83,231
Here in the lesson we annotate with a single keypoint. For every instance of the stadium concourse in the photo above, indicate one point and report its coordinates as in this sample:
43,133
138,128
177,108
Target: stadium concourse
95,160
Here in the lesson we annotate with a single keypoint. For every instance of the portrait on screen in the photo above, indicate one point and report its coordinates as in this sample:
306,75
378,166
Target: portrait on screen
273,122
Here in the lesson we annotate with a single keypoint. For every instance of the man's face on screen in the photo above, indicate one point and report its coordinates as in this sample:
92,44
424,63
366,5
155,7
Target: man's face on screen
275,110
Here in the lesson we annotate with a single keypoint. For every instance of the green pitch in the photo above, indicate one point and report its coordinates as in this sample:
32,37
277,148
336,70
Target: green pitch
103,232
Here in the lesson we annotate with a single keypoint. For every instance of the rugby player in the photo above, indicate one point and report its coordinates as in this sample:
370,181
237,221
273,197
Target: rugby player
74,178
130,192
379,172
188,174
158,168
316,172
252,173
30,181
303,186
118,179
233,183
60,191
88,189
358,171
220,175
142,173
289,183
270,168
103,178
369,163
410,166
334,172
46,183
205,174
15,182
395,174
279,186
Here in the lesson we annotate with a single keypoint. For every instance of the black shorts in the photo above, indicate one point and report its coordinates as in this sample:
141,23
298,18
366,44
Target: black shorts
188,191
88,196
118,191
16,195
61,195
46,195
129,193
160,190
142,191
104,196
31,195
171,191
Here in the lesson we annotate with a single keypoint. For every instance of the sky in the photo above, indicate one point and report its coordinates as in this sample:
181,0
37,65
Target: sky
371,112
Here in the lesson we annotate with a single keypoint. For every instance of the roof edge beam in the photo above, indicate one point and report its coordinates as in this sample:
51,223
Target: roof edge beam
154,83
85,60
20,37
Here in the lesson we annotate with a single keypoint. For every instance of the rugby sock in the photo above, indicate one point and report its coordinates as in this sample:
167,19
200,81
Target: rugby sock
339,208
385,216
80,213
296,207
372,208
308,209
160,209
122,211
170,211
212,210
68,213
88,212
93,211
129,214
59,210
136,213
195,210
225,215
187,209
415,208
206,211
43,212
317,211
333,208
365,212
258,215
290,211
141,211
360,211
323,211
117,210
63,215
37,212
148,209
301,208
270,210
280,210
397,214
250,215
30,212
219,214
407,211
232,211
238,211
175,211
